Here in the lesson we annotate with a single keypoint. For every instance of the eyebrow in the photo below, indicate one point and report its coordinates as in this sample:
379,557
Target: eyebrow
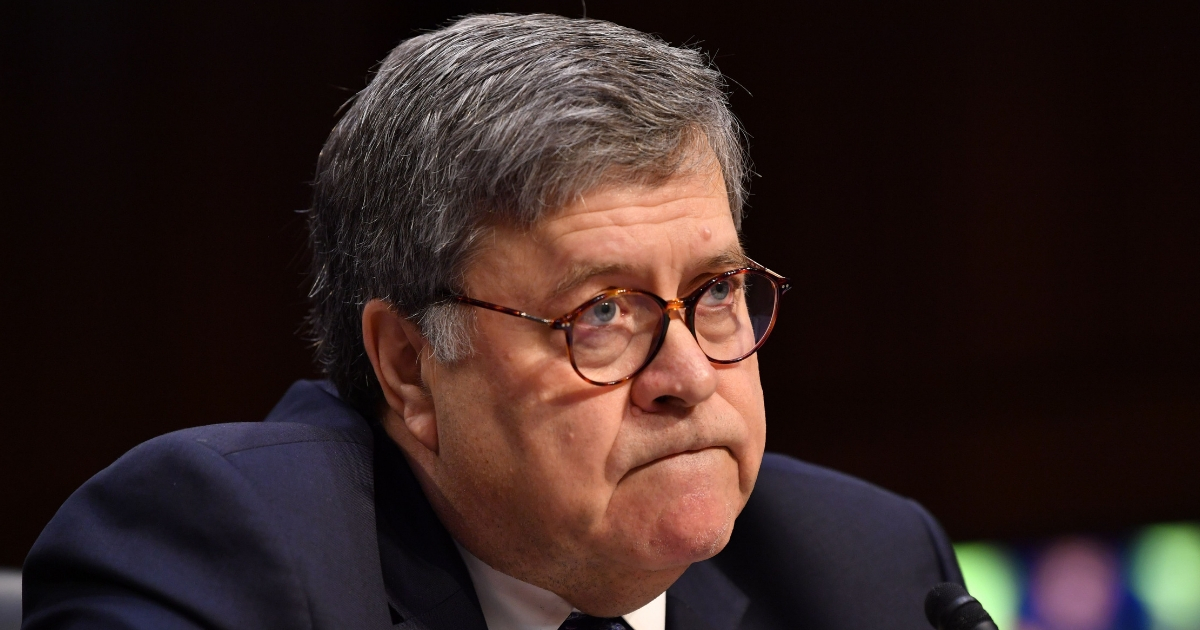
732,258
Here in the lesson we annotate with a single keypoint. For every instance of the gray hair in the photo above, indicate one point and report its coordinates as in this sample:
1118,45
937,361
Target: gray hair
495,119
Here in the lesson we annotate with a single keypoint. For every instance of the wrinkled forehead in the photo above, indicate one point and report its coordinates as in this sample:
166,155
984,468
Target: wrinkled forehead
693,200
638,236
692,182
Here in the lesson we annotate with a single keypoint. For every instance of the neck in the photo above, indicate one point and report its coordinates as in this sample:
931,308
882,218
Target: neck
618,597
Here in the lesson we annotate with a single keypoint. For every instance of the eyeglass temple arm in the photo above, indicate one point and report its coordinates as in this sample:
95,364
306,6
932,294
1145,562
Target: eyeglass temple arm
785,284
504,309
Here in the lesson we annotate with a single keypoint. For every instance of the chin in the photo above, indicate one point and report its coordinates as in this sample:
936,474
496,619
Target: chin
684,513
694,533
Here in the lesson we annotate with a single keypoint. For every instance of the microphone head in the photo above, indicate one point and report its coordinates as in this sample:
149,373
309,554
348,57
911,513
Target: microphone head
948,606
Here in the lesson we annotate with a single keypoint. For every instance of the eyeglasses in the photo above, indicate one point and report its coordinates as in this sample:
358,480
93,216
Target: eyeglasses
616,334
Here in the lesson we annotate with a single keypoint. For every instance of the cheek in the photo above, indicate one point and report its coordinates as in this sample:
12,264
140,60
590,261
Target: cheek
567,443
740,387
526,446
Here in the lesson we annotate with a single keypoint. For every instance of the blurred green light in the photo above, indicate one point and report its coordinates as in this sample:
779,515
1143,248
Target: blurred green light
1165,574
992,578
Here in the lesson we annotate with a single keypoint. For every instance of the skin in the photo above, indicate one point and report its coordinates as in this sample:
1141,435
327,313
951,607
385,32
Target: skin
603,495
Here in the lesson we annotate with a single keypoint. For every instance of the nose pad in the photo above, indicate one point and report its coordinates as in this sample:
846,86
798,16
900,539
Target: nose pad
676,308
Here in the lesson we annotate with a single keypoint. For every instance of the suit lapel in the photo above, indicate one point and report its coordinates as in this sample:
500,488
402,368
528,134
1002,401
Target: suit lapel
357,570
427,584
704,598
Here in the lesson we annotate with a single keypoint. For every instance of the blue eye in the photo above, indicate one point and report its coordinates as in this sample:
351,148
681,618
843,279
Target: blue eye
717,294
719,291
602,313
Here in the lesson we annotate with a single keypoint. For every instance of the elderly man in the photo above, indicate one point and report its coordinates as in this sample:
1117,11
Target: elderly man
543,407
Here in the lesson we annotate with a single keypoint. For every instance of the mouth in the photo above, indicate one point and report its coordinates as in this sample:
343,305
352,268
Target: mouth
675,456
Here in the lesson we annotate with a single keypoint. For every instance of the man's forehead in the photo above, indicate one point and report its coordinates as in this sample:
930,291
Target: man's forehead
703,180
648,235
684,225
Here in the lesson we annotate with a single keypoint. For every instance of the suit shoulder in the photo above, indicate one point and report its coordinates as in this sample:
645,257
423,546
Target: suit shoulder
213,523
825,549
164,530
786,479
229,438
830,501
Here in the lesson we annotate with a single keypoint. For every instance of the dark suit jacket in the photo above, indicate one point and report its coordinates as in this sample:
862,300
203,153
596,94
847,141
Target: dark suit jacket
313,519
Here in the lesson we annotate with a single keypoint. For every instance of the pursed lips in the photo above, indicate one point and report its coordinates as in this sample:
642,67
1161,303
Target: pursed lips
648,440
672,455
673,448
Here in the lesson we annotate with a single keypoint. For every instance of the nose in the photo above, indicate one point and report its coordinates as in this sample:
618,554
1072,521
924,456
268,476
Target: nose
679,377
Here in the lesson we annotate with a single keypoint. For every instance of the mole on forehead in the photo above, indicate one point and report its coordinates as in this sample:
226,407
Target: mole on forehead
580,273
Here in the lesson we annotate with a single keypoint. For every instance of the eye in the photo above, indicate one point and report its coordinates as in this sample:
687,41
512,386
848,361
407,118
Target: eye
718,293
603,313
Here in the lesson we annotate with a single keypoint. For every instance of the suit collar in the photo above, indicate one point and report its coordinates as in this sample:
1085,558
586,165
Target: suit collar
705,598
427,584
316,403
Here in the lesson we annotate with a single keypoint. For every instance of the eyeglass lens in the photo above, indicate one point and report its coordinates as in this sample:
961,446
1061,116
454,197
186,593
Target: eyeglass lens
613,338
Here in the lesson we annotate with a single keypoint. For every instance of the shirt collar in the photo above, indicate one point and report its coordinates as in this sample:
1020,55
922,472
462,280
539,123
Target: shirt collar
510,604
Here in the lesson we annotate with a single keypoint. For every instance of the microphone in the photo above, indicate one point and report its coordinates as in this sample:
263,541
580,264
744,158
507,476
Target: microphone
948,606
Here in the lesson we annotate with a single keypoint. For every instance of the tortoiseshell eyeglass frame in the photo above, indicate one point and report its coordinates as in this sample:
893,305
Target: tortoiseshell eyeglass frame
687,304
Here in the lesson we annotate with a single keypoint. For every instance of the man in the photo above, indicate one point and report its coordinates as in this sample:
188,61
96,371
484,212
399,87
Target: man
544,411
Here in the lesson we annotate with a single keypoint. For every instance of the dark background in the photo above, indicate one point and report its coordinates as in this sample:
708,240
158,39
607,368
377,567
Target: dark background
990,212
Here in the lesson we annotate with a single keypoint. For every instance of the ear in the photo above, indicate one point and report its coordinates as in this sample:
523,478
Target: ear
395,346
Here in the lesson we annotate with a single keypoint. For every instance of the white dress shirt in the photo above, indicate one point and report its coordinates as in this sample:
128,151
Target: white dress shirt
510,604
